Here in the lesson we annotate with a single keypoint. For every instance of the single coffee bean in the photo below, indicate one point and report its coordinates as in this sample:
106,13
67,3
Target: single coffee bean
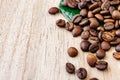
116,14
111,9
76,19
84,45
97,10
69,26
60,23
85,35
117,48
100,28
83,12
107,17
93,32
109,26
93,6
116,55
114,2
72,52
82,4
93,47
100,35
53,10
94,79
116,24
84,22
105,5
77,31
104,12
100,54
93,23
93,39
101,65
90,14
115,42
105,46
70,68
109,21
117,32
91,59
72,3
99,17
86,28
81,73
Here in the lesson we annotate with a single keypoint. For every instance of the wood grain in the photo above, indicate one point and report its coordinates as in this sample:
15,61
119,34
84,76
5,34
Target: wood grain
32,47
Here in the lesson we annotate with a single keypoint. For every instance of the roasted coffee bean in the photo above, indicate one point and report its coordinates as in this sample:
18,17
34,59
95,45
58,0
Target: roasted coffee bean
111,9
114,2
105,12
93,47
93,40
100,35
60,23
105,5
100,53
70,68
72,3
72,52
91,59
105,46
90,14
116,55
117,24
109,26
69,26
119,7
85,35
99,17
93,6
116,14
83,12
93,23
117,33
117,48
115,42
77,31
86,28
107,17
93,32
97,10
82,4
84,22
81,73
108,36
100,28
94,79
109,21
101,65
76,19
84,45
53,10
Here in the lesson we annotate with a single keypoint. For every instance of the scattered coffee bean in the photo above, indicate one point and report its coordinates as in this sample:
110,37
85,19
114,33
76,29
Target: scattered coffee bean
84,45
60,23
100,54
77,31
72,52
115,42
117,48
93,47
85,35
69,26
70,68
53,10
94,79
116,14
116,55
101,65
76,19
105,46
81,73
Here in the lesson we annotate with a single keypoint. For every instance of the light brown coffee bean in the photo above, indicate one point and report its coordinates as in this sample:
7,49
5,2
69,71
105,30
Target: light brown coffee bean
109,26
105,5
93,39
116,14
84,22
93,23
119,7
53,10
83,12
97,10
116,55
104,12
77,31
90,14
93,6
85,35
117,24
60,23
76,19
117,33
72,52
109,20
105,46
107,17
100,28
114,2
99,17
111,9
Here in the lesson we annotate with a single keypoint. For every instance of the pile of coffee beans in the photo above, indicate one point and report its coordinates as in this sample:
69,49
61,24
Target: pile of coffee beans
98,24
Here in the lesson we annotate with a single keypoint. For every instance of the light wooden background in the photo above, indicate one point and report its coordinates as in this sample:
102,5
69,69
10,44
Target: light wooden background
32,47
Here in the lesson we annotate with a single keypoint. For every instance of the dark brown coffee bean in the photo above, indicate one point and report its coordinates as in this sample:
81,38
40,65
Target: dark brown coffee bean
109,21
82,4
69,26
81,73
115,42
114,2
117,48
109,26
84,22
70,68
101,65
117,24
117,32
100,35
99,17
72,52
86,28
77,31
100,28
93,47
83,12
76,19
94,79
93,23
105,5
105,46
93,40
53,10
97,10
116,14
100,54
85,35
111,9
91,59
93,6
108,36
116,55
60,23
93,32
107,17
72,3
84,45
90,14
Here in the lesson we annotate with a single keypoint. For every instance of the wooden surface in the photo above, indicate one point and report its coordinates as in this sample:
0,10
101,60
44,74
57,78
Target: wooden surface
32,47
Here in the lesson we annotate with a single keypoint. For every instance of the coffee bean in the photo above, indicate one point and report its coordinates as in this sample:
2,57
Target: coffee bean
60,23
72,52
101,65
100,35
76,19
119,7
111,9
91,59
93,39
81,73
72,3
105,46
69,26
115,42
100,28
53,10
116,14
93,32
107,17
90,14
77,31
86,28
94,79
93,1
116,55
104,12
85,35
83,12
100,53
84,45
109,20
117,48
82,4
93,6
97,10
105,5
117,24
117,32
114,2
108,26
93,47
70,68
99,17
84,22
93,23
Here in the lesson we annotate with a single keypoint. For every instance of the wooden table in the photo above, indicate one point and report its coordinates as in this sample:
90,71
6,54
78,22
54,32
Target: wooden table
32,47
